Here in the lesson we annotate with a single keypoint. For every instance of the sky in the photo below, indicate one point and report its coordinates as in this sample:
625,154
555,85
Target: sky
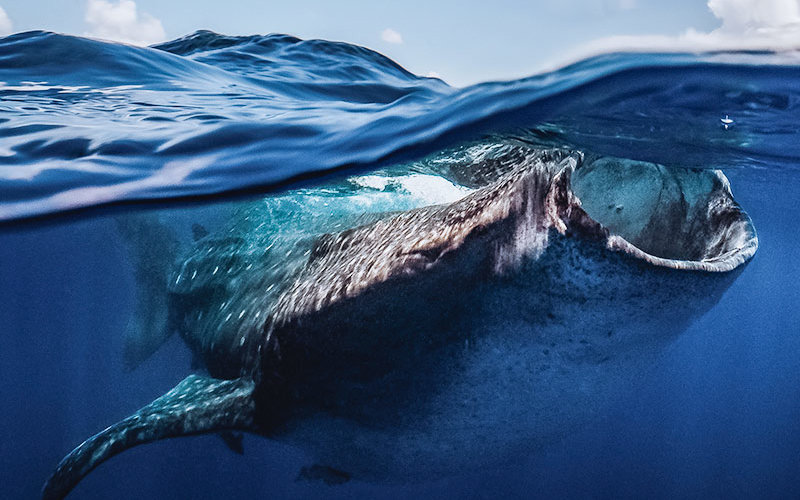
460,41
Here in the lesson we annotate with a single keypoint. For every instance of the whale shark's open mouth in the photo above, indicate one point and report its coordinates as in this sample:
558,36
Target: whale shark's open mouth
684,218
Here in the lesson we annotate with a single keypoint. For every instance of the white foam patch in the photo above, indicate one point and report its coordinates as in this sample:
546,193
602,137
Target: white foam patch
317,210
425,189
371,181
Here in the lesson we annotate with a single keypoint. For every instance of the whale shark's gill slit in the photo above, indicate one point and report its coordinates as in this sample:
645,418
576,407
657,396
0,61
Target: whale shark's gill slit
196,405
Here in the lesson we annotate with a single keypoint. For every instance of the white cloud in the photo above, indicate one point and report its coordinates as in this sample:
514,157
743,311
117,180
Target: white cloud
618,5
6,27
746,25
743,16
391,36
122,22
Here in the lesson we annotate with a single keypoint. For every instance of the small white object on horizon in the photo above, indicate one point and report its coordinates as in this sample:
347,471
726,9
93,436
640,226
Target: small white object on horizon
726,122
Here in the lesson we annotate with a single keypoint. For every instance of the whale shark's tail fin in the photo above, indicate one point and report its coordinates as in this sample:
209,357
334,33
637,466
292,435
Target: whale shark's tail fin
153,248
196,405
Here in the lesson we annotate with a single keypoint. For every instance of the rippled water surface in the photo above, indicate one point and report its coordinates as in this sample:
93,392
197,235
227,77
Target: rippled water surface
294,138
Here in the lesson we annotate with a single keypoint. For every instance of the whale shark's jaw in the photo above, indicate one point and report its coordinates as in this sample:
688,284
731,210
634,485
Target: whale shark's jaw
448,337
683,218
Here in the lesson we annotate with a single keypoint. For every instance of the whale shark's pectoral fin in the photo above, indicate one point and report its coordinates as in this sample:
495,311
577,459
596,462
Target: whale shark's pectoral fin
152,248
233,440
196,405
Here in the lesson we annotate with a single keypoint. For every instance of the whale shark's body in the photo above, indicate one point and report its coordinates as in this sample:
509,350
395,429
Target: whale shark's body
447,337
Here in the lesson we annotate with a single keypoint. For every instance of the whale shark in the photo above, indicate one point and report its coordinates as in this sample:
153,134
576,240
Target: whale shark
417,343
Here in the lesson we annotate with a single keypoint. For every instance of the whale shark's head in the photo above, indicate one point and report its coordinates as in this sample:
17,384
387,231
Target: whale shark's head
676,217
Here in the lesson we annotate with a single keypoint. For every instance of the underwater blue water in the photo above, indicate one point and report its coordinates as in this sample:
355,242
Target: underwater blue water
87,124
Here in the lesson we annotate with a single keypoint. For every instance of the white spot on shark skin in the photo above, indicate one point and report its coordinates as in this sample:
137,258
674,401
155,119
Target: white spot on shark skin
215,270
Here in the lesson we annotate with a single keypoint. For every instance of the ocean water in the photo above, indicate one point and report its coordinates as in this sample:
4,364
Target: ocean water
300,138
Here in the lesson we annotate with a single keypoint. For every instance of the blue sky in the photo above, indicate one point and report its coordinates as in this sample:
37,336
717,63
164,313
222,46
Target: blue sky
462,41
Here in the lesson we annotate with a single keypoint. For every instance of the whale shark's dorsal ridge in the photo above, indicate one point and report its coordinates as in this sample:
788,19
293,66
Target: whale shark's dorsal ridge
560,273
512,213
